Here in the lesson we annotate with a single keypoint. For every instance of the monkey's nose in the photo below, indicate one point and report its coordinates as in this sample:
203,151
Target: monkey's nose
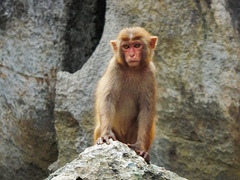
132,55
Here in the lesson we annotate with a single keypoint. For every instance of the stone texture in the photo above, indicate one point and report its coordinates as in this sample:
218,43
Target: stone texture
37,38
29,56
199,92
197,61
114,161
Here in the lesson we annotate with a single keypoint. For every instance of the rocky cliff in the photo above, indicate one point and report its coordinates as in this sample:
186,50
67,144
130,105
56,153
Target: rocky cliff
198,77
34,45
30,51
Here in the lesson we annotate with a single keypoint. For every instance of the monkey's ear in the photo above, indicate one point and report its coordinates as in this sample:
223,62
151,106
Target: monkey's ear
153,41
114,44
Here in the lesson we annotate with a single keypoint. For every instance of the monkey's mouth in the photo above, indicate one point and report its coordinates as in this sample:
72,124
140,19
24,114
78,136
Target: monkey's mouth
133,61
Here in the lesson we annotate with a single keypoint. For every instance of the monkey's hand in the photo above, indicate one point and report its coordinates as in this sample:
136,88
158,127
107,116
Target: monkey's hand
140,152
105,138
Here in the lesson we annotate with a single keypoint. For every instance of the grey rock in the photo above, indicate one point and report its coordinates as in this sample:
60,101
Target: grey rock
114,161
29,58
37,38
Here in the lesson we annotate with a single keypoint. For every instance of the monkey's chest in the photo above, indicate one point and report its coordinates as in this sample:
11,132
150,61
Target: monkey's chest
127,107
127,110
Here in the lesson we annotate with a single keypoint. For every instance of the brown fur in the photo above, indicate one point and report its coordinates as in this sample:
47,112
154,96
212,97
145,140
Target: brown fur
125,96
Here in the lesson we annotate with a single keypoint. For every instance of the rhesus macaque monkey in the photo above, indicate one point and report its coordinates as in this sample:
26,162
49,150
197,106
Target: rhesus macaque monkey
126,94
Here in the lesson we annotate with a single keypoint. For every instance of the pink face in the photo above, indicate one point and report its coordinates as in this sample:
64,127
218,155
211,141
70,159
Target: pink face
132,52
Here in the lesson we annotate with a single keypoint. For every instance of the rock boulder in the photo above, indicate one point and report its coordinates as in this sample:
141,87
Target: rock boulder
114,161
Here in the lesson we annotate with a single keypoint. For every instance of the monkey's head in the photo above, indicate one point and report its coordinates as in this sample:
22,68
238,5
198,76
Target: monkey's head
134,47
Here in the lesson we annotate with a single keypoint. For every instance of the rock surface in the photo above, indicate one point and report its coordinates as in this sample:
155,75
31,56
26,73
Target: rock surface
30,52
114,161
34,45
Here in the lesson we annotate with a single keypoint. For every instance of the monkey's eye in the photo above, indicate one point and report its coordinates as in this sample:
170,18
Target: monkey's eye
137,45
125,46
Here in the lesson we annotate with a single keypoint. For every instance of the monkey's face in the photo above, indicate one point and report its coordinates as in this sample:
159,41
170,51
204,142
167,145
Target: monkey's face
134,47
132,52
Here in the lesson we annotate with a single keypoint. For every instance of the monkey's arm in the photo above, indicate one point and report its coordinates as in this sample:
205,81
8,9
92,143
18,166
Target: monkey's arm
106,102
146,123
107,111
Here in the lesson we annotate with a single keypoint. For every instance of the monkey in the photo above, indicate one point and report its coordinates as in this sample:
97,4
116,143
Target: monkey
126,93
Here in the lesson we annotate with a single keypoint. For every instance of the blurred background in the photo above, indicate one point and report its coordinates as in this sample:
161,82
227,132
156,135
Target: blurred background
53,52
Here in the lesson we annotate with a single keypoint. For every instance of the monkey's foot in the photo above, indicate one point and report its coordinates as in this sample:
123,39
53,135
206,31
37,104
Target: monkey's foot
106,139
145,156
140,152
